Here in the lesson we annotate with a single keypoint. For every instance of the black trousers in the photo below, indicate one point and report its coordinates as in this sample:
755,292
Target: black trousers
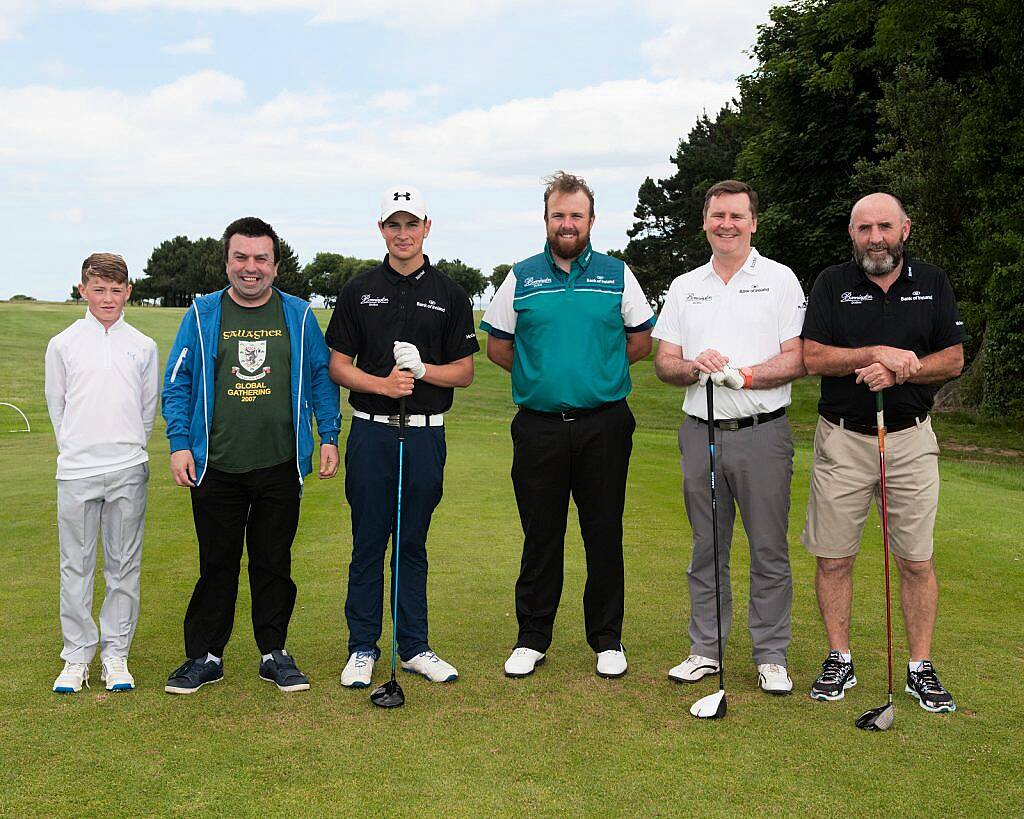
260,508
589,459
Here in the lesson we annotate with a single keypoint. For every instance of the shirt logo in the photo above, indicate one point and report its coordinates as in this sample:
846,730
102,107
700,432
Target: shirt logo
917,296
407,196
855,298
431,305
373,301
756,288
251,355
130,354
693,297
803,304
599,280
532,281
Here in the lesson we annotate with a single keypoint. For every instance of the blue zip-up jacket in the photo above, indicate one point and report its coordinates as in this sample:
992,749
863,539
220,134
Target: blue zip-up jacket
188,392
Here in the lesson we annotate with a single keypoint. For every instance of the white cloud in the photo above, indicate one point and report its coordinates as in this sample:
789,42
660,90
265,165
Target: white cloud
197,45
290,107
403,99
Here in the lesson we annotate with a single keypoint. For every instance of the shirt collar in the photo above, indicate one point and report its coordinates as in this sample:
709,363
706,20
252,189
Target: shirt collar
581,262
413,278
95,322
751,265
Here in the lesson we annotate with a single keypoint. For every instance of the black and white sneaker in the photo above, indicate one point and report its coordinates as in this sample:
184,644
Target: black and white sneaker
924,686
835,677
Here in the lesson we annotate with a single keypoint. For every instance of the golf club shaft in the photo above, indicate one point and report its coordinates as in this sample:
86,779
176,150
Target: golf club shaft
880,422
396,547
714,531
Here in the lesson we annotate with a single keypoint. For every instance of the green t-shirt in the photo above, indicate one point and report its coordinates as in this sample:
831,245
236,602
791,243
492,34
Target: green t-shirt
252,407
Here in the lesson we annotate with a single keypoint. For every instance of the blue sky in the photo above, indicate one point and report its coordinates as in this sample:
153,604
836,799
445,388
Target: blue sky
127,122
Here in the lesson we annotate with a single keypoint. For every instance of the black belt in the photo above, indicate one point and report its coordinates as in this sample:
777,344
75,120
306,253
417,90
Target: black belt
870,429
573,414
743,423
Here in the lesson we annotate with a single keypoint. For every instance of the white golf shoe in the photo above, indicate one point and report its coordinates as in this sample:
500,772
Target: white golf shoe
693,668
773,678
116,675
611,663
429,665
72,678
522,662
358,670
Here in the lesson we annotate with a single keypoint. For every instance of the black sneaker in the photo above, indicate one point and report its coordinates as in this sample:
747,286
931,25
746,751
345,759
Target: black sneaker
192,675
924,686
281,670
835,677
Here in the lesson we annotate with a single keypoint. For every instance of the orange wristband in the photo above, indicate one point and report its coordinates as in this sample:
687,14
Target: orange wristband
748,377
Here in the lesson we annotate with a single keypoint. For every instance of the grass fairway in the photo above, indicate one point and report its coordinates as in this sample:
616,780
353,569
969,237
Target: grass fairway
562,742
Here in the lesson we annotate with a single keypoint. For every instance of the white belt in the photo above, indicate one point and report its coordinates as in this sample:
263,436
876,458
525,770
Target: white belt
410,420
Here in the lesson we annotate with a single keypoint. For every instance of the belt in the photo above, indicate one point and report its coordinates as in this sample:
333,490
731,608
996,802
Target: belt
573,414
870,429
749,421
410,420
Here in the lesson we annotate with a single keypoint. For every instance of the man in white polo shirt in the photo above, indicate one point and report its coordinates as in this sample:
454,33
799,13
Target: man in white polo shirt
736,320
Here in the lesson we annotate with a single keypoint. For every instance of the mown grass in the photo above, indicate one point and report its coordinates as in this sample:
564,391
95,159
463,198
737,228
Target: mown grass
562,742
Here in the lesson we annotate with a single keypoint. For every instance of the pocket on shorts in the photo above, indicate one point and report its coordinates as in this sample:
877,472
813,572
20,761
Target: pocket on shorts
824,433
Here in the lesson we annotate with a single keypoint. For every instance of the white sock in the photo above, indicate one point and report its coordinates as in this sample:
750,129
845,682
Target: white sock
211,658
269,656
915,665
846,656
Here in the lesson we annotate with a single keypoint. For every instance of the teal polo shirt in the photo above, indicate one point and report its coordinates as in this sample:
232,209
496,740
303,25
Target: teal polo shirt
568,329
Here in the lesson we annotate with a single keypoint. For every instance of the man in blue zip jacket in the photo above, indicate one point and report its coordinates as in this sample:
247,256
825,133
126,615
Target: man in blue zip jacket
247,370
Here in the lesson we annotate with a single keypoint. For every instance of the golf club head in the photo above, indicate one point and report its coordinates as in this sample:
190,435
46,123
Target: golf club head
877,719
710,707
389,695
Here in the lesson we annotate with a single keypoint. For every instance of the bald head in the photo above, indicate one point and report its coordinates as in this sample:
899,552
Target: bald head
878,227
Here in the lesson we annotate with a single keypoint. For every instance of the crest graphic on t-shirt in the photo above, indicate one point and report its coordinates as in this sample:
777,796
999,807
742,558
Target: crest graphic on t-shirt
251,355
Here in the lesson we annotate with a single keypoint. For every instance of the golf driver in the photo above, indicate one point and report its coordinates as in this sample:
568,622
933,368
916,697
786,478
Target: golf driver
713,705
390,694
881,718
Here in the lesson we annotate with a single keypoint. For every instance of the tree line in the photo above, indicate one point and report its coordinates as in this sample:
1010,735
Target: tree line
180,269
920,98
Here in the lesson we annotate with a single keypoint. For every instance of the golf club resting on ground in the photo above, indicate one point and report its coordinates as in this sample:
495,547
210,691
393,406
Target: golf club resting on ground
251,364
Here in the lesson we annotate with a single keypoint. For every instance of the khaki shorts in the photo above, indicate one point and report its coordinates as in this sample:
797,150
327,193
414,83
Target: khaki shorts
845,479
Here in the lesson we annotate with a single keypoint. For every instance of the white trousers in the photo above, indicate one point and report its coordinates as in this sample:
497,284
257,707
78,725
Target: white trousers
114,503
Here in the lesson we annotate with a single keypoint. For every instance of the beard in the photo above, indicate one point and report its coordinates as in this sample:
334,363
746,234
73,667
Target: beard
568,244
879,267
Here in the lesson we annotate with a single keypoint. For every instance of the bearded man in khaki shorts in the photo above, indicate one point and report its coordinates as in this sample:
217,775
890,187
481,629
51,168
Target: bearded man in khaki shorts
881,321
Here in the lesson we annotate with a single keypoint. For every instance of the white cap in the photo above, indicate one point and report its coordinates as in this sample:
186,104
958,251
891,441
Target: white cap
402,198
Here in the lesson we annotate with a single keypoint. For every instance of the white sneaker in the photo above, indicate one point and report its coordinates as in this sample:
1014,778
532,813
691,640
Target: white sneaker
431,666
72,678
693,668
523,661
358,670
116,675
611,663
773,679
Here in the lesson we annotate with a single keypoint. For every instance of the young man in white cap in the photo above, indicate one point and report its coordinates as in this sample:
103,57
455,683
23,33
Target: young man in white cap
402,330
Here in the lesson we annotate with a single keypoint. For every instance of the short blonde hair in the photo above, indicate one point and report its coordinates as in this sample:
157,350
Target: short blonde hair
108,266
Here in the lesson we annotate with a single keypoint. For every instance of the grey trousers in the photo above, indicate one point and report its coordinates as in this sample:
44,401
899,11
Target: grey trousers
753,469
116,504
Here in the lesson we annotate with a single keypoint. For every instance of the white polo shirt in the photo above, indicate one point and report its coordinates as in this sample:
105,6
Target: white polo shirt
101,390
746,320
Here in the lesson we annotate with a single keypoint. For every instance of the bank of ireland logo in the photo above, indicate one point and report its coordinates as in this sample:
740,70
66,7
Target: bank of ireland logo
251,355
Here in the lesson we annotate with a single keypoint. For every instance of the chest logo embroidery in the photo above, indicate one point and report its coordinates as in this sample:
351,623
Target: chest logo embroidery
599,280
251,355
693,298
917,295
533,281
756,288
430,304
373,301
855,298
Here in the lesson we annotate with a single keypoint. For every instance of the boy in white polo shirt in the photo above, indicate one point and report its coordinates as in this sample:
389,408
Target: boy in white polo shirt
102,380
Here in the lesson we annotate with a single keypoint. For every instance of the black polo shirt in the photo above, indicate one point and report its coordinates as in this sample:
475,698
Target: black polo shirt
847,309
380,307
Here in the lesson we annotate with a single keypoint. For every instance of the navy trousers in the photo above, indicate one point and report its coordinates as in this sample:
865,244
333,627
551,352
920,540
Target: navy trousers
371,483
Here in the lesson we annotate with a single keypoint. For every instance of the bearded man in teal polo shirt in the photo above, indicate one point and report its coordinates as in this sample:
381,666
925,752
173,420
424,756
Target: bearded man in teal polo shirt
568,323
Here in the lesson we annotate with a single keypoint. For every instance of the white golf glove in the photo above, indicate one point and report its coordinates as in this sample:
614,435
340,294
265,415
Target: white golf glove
728,377
407,357
702,379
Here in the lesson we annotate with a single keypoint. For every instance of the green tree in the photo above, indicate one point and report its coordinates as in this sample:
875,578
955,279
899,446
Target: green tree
167,272
468,278
291,278
75,295
328,273
498,275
